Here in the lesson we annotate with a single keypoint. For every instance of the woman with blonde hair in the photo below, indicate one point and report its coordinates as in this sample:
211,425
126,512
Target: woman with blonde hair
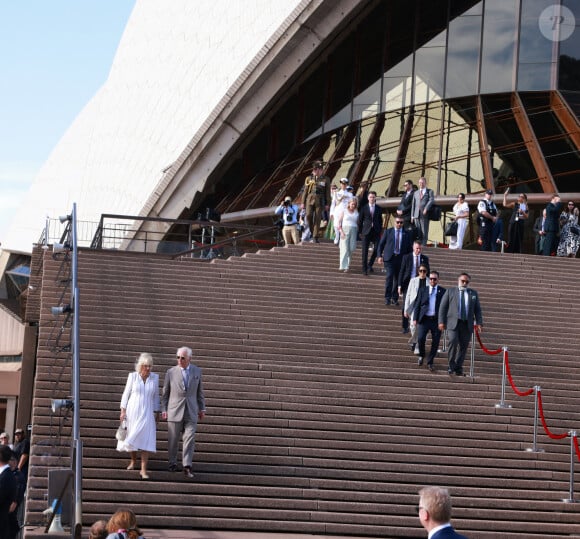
123,525
347,228
140,410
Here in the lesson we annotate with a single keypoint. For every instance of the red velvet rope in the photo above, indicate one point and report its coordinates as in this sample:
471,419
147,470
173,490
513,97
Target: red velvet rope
551,435
486,350
575,439
509,375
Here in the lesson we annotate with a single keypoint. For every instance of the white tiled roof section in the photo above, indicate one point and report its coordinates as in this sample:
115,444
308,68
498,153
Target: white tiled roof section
175,62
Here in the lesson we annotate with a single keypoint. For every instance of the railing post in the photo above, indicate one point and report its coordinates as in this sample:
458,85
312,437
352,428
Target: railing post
472,358
571,499
534,447
502,403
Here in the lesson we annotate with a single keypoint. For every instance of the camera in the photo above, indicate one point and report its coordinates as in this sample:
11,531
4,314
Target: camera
286,203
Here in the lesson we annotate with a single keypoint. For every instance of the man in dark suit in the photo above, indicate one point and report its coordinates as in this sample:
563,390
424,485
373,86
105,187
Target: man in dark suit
370,223
425,316
423,199
182,403
435,513
406,204
409,269
552,225
395,243
8,492
539,232
459,310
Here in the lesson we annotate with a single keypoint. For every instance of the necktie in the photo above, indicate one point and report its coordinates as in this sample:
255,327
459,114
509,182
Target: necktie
185,378
416,265
421,195
462,308
397,241
372,211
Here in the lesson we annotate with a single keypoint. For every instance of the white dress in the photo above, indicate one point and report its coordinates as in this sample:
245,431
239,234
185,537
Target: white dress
141,401
456,242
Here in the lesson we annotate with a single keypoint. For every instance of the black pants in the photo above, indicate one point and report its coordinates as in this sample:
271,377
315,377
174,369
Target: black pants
367,239
428,324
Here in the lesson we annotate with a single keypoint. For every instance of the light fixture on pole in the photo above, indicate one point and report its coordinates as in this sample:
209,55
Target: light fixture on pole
58,404
61,247
61,309
64,218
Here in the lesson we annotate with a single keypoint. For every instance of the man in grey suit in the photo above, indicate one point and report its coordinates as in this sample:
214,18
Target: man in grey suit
423,199
458,310
182,404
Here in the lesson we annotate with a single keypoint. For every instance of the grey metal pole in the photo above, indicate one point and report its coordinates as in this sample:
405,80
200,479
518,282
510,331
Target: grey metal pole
502,403
76,528
472,363
534,447
571,499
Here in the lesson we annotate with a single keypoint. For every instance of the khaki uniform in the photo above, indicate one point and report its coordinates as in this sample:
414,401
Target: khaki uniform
315,197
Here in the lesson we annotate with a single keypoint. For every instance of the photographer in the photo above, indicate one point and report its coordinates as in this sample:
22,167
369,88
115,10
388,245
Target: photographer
289,217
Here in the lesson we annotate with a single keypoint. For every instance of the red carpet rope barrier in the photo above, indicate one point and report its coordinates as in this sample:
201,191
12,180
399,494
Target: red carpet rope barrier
509,375
490,352
576,448
550,434
526,393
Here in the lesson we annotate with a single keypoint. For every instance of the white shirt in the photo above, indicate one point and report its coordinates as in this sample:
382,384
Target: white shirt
438,528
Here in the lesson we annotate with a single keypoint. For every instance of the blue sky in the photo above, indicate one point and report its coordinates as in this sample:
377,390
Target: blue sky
55,56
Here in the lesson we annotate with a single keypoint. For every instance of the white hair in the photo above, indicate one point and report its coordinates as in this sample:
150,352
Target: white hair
144,359
185,349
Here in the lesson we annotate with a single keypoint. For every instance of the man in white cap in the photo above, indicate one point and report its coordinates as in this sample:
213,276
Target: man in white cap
289,216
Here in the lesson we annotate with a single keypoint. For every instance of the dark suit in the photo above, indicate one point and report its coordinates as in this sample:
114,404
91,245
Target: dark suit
538,231
8,494
405,207
448,533
459,331
551,228
392,260
428,323
370,227
409,270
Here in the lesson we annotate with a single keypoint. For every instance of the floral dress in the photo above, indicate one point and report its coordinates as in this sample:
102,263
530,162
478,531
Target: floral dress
569,237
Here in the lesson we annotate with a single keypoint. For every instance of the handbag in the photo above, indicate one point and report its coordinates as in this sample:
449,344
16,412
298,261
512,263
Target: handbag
451,228
121,433
434,213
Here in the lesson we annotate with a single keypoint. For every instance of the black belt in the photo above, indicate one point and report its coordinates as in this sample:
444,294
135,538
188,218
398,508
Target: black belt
430,317
291,224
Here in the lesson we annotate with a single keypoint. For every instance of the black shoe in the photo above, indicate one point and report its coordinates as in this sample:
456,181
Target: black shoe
450,371
405,330
172,468
187,472
371,270
387,302
365,272
459,372
315,241
420,361
396,303
412,347
431,367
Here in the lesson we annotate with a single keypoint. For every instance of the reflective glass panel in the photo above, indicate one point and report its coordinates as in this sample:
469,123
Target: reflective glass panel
463,56
499,46
569,68
429,70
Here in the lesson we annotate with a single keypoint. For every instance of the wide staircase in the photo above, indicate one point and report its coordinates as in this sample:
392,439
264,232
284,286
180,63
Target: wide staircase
319,420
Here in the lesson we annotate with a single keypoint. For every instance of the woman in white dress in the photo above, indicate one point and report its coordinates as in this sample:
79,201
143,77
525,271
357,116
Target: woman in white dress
347,228
140,410
461,211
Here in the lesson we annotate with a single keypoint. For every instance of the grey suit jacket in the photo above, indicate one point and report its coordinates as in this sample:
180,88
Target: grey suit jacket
449,308
176,398
420,204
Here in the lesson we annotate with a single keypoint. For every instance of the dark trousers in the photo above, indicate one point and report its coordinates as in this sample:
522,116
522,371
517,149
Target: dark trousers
428,324
485,232
516,236
458,341
550,243
367,239
392,268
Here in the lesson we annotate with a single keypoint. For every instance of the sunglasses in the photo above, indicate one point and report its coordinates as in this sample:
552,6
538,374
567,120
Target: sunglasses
181,357
433,279
398,222
422,271
464,281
